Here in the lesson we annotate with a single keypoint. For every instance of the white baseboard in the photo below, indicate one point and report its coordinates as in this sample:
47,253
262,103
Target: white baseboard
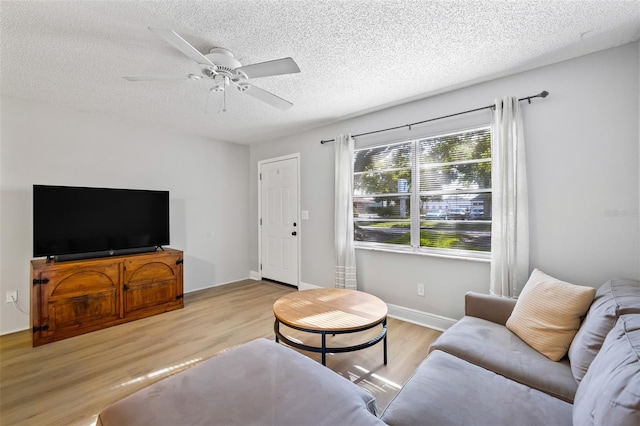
307,286
254,275
425,319
16,330
191,290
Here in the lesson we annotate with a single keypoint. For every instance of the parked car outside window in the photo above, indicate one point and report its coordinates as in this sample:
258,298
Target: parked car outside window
476,213
436,215
456,214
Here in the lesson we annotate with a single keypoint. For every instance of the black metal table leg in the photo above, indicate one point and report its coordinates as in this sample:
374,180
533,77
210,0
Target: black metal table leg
384,325
324,348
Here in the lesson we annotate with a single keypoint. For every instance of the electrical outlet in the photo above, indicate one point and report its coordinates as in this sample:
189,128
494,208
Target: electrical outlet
420,289
12,295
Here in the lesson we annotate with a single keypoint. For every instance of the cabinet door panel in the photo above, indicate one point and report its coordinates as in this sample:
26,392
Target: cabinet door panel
75,298
87,309
149,294
150,282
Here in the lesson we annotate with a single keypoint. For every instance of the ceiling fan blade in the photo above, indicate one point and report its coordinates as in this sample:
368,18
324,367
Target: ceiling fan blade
267,97
182,45
155,77
269,68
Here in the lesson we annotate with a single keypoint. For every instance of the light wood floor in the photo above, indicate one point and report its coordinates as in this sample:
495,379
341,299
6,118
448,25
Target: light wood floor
70,381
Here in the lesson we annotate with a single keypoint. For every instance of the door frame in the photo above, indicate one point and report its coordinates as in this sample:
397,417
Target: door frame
295,156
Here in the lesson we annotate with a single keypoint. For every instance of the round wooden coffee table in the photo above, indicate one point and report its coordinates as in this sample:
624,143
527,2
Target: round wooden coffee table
330,311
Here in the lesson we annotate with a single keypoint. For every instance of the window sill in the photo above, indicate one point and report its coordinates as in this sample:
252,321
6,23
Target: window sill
483,257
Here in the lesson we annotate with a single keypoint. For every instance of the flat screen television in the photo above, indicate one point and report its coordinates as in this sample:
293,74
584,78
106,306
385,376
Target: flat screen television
78,222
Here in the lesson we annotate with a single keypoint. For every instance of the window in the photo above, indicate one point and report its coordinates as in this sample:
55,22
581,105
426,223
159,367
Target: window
425,195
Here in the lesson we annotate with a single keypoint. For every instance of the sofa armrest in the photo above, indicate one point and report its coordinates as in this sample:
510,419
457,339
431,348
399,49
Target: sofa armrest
491,308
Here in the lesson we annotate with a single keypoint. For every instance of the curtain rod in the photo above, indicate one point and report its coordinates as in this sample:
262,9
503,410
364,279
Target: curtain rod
542,94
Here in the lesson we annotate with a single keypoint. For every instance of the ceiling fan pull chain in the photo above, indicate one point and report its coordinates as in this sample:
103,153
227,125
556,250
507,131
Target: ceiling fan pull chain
224,101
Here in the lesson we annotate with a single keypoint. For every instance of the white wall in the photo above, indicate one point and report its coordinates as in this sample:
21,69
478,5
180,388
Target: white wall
582,148
208,182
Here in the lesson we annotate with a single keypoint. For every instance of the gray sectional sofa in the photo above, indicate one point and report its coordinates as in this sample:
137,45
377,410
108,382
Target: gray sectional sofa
477,372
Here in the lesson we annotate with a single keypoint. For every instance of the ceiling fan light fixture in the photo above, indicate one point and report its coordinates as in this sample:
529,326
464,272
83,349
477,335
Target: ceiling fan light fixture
221,80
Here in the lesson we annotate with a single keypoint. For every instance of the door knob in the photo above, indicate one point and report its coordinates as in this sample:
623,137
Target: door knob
294,233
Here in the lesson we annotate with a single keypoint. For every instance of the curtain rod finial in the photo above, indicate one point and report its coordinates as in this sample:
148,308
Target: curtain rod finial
544,94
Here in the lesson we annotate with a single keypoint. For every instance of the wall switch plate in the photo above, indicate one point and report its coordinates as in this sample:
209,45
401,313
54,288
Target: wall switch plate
304,214
12,295
420,289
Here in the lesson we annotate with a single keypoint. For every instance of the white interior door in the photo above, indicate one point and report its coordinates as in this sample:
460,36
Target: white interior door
280,225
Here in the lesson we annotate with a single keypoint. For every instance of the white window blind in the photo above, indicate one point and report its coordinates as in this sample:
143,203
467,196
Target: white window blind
430,194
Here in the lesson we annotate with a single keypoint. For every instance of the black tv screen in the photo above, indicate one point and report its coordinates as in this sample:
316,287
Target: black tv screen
98,221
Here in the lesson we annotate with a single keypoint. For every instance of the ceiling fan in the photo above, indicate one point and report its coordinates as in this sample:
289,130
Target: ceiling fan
220,66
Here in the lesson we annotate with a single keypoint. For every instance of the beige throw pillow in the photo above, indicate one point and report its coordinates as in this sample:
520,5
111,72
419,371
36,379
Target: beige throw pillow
548,312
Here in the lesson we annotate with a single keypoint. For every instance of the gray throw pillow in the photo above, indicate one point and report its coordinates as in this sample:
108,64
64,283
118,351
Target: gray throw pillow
614,298
609,393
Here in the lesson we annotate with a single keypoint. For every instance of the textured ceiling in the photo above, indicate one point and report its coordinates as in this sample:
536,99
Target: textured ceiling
355,56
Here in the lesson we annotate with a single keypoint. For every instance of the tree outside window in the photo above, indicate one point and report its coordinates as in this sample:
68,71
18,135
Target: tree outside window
432,193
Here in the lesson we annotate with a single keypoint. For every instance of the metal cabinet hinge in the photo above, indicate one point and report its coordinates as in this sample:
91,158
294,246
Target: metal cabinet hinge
40,328
42,281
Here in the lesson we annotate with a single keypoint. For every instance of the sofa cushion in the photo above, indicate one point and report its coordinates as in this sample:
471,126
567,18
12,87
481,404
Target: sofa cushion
258,383
446,390
494,347
614,298
610,391
548,312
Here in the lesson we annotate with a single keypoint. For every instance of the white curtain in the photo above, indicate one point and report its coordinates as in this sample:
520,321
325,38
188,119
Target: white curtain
510,217
345,257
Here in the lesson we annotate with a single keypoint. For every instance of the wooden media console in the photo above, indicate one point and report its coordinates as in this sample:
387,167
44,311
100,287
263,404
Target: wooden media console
77,297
